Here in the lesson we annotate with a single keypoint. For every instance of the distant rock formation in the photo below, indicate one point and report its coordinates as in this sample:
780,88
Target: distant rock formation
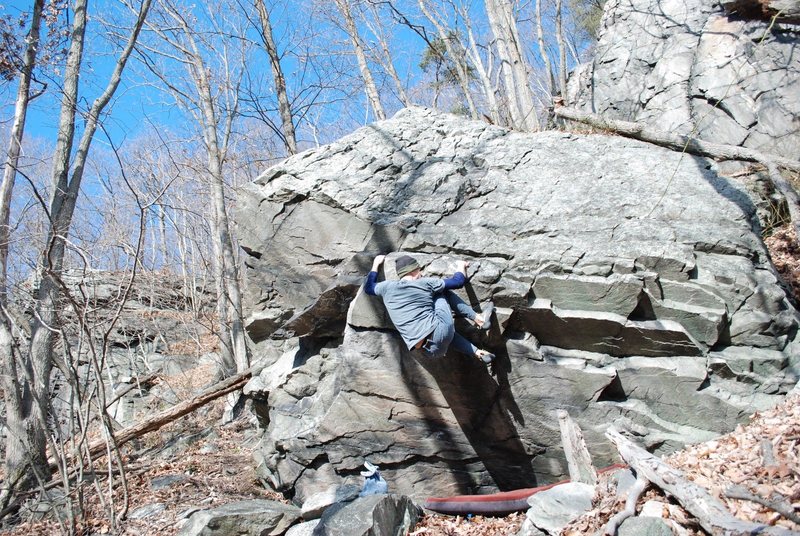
631,289
724,72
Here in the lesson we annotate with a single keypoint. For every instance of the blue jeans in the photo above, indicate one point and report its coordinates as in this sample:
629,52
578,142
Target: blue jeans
444,334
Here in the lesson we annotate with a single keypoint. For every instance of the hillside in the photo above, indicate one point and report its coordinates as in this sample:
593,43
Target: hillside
216,468
197,463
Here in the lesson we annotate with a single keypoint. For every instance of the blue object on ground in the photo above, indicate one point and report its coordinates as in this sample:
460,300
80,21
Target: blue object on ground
374,483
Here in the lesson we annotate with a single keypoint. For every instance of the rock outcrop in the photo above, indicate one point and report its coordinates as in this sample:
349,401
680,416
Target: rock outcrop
630,285
725,72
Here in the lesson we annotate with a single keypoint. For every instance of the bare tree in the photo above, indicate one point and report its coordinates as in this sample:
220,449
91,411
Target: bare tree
214,111
358,48
277,74
483,72
29,382
457,58
376,27
515,70
18,406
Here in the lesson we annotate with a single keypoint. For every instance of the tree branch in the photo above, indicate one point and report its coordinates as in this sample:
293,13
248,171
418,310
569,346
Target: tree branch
774,503
711,514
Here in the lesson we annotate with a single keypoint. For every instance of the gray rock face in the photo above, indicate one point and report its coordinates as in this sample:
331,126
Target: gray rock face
376,515
692,67
630,289
251,518
553,509
645,526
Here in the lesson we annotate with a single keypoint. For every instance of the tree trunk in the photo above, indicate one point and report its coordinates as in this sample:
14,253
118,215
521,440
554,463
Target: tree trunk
226,352
361,57
289,138
562,52
229,294
63,198
514,66
35,382
548,67
22,429
461,68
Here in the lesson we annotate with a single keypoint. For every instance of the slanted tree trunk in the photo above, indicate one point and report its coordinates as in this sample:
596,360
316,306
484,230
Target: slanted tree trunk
361,57
710,513
378,31
548,67
67,174
484,73
284,107
22,431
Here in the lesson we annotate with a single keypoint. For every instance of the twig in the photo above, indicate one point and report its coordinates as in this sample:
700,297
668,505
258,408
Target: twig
775,503
711,513
630,506
767,455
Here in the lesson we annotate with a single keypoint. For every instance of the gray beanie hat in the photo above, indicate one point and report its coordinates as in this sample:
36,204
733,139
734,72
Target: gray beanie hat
405,265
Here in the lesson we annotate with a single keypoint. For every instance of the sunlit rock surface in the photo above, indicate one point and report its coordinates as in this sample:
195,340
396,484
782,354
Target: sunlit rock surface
630,284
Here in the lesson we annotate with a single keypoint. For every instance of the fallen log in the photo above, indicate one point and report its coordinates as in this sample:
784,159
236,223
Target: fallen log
699,147
710,513
155,422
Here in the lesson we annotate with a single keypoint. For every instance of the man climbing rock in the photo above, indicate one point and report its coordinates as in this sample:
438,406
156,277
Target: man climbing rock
421,308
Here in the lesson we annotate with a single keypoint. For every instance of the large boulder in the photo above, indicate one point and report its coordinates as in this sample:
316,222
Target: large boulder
723,71
630,285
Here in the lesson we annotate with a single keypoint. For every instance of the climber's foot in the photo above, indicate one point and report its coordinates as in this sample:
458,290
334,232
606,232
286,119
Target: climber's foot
484,356
484,319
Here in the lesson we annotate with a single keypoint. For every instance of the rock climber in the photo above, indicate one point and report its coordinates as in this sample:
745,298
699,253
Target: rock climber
421,308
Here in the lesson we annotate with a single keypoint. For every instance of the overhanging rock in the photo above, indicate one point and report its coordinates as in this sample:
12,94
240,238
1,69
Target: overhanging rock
630,289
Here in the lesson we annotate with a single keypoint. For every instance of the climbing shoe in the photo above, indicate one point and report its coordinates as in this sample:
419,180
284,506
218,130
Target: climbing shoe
486,314
484,356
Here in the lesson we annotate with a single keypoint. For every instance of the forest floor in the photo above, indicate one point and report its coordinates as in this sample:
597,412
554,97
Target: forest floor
219,469
159,492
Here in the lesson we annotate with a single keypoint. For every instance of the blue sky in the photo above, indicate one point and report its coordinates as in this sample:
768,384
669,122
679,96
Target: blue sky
139,103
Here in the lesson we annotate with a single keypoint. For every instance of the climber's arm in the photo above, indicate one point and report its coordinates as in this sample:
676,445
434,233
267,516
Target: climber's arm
458,279
372,277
